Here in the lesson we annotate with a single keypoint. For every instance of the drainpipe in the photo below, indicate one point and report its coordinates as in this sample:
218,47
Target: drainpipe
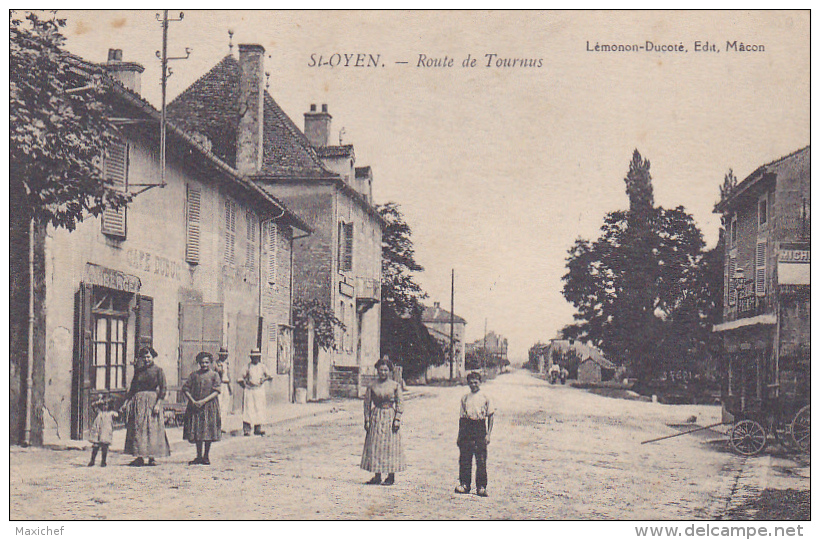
30,352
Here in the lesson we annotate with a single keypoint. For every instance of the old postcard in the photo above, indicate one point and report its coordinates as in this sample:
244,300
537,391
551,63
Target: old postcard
417,265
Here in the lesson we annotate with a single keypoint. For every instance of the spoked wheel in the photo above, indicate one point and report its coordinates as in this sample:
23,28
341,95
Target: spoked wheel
800,429
748,437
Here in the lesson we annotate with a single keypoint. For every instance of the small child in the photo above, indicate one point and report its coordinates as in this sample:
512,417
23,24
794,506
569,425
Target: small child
474,428
102,430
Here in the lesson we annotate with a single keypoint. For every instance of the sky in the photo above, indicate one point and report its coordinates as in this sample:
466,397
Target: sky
499,169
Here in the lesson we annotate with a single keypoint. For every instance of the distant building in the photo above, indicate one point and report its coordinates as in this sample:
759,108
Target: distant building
340,264
584,362
766,310
437,321
491,350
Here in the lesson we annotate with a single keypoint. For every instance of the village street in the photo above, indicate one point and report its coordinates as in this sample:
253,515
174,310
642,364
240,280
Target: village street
557,453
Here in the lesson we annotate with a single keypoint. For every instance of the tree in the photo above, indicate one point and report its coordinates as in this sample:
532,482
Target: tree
403,335
639,288
58,126
324,320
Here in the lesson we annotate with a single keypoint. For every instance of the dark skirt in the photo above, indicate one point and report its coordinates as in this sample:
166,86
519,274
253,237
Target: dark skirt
383,452
203,424
145,431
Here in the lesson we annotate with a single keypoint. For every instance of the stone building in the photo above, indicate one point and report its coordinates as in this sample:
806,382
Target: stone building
198,260
339,264
437,321
766,310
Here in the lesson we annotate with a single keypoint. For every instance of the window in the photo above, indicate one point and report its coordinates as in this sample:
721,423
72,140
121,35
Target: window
110,312
760,269
250,242
192,226
733,231
345,247
115,173
230,232
763,211
271,250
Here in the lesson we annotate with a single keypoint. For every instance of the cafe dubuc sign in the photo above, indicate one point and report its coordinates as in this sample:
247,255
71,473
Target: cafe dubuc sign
112,279
794,264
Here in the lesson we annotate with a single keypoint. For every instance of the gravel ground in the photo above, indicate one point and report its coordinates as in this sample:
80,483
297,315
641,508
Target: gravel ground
557,453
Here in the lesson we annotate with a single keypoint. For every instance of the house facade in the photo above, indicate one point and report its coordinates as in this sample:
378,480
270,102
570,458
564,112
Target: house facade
199,259
437,321
339,264
766,307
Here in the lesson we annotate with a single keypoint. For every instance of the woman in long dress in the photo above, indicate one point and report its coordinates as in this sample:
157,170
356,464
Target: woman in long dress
203,423
383,408
145,425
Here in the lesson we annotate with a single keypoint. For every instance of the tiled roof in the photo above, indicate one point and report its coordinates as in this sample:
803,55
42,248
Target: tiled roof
363,172
773,167
210,106
437,315
346,150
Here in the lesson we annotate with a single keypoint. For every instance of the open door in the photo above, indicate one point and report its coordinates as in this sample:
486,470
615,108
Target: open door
83,357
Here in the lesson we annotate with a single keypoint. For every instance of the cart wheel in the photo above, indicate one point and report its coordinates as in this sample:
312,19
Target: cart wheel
800,429
748,437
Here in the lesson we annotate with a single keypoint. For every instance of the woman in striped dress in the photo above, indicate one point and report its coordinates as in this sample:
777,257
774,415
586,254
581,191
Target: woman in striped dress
383,451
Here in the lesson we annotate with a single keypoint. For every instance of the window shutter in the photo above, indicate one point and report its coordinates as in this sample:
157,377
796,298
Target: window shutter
340,251
145,322
194,205
81,378
250,252
731,285
200,329
230,232
272,248
115,172
348,247
760,269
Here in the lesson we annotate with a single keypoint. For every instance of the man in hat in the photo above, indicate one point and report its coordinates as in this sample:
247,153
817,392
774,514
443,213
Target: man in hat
253,400
223,368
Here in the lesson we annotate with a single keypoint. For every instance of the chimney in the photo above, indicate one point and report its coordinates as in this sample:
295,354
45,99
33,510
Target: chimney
437,305
129,74
317,126
251,107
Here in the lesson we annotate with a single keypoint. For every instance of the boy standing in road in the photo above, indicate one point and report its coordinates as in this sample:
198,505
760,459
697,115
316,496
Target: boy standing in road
474,428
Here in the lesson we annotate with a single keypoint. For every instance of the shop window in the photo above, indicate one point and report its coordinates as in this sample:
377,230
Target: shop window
115,173
192,230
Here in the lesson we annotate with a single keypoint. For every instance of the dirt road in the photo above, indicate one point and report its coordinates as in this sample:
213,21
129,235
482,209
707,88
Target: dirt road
557,453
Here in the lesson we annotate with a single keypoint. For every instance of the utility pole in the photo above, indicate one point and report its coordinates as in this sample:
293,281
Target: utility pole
166,72
452,315
484,351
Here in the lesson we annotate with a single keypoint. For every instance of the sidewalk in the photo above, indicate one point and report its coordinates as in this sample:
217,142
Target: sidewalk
279,414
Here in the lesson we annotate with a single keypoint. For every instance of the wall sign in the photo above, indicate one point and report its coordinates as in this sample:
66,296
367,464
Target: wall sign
794,265
112,279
